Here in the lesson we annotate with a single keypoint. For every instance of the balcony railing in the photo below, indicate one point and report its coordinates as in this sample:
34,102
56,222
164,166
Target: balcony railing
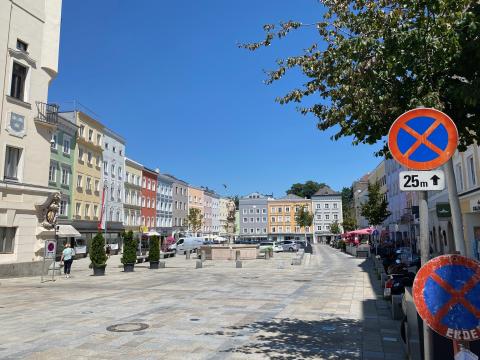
47,113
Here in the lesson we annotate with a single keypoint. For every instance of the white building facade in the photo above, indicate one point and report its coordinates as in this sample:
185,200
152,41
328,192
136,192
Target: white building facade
327,209
29,43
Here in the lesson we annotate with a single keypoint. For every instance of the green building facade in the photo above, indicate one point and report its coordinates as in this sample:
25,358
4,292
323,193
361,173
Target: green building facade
60,176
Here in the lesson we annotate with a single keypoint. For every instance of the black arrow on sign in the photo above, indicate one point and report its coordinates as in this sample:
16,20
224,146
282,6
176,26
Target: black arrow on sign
435,179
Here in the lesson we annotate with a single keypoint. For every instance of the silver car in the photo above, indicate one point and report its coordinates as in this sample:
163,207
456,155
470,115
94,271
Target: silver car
289,245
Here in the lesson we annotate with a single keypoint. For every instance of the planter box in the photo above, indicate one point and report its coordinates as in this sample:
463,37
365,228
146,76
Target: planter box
128,267
154,264
99,270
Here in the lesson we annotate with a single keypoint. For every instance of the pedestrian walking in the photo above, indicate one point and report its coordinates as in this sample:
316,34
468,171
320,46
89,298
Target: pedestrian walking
108,251
67,258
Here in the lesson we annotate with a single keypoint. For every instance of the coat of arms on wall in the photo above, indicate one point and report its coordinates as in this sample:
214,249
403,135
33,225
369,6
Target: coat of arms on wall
48,211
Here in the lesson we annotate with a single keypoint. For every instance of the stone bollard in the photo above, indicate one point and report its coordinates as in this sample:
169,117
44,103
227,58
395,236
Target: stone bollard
237,255
199,264
187,254
161,265
270,253
238,264
397,311
203,256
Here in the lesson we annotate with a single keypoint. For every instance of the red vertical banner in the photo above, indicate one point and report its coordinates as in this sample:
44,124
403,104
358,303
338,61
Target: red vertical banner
102,211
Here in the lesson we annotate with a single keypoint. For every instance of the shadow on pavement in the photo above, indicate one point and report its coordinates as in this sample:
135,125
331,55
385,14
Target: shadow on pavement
332,338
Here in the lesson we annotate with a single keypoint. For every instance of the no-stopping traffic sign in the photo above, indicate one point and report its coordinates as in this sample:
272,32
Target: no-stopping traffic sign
423,139
446,292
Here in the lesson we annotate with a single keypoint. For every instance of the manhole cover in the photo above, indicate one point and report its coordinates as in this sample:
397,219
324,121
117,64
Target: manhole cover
127,327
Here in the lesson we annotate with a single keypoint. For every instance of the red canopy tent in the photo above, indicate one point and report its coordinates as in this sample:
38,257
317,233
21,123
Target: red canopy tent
352,236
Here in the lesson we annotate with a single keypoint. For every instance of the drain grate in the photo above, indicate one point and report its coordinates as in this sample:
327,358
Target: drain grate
127,327
194,319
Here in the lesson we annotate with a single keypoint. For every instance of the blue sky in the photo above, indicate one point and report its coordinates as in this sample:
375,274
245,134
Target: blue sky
169,77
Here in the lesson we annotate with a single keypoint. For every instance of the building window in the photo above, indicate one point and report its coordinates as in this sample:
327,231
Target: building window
63,208
65,176
244,211
89,157
21,45
319,206
264,219
319,217
99,139
257,211
105,167
19,77
335,217
66,145
471,171
52,173
273,219
79,181
287,229
97,185
106,145
89,184
53,143
459,177
335,206
77,209
12,162
245,231
87,210
120,172
80,154
327,217
279,209
7,239
319,227
81,130
113,170
252,220
273,229
252,231
326,206
280,228
287,209
245,219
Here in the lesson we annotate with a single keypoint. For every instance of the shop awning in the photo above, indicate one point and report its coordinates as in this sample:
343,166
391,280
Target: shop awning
67,231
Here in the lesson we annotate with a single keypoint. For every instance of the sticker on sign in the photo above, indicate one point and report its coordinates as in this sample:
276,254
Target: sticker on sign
422,180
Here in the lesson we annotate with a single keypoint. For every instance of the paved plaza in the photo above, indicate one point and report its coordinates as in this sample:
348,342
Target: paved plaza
326,308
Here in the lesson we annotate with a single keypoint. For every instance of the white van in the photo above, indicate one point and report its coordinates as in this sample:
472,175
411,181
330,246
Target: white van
189,243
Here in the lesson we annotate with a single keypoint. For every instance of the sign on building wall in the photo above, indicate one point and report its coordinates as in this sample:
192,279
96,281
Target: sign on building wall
443,210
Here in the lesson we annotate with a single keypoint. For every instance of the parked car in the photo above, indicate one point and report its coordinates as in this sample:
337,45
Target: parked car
270,245
396,283
289,245
189,243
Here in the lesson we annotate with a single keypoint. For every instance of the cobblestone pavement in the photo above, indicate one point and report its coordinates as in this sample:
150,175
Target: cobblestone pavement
327,308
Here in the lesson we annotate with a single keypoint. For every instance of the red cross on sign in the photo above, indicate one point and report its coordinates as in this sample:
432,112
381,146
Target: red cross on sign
446,292
423,139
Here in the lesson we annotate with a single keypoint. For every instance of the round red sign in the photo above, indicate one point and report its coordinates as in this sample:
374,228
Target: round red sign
446,292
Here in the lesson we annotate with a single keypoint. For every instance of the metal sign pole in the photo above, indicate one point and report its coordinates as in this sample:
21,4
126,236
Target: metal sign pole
44,255
455,209
425,251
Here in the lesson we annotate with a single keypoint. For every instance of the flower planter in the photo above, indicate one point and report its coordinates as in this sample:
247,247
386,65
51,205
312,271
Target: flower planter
128,267
99,270
154,264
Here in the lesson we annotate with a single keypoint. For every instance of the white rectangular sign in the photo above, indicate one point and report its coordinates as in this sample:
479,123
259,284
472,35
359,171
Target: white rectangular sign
433,180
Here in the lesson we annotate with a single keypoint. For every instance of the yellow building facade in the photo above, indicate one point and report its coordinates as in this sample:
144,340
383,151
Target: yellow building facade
196,198
281,219
133,198
87,178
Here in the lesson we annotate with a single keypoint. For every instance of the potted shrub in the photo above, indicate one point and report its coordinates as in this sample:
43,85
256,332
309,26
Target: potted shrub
129,252
154,252
98,257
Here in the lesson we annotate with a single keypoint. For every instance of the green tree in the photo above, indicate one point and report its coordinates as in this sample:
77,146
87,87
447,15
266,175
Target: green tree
348,209
154,248
97,254
335,228
129,248
305,190
194,219
349,223
304,218
375,210
374,60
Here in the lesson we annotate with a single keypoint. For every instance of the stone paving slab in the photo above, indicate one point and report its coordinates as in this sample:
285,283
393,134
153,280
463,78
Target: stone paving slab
327,308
